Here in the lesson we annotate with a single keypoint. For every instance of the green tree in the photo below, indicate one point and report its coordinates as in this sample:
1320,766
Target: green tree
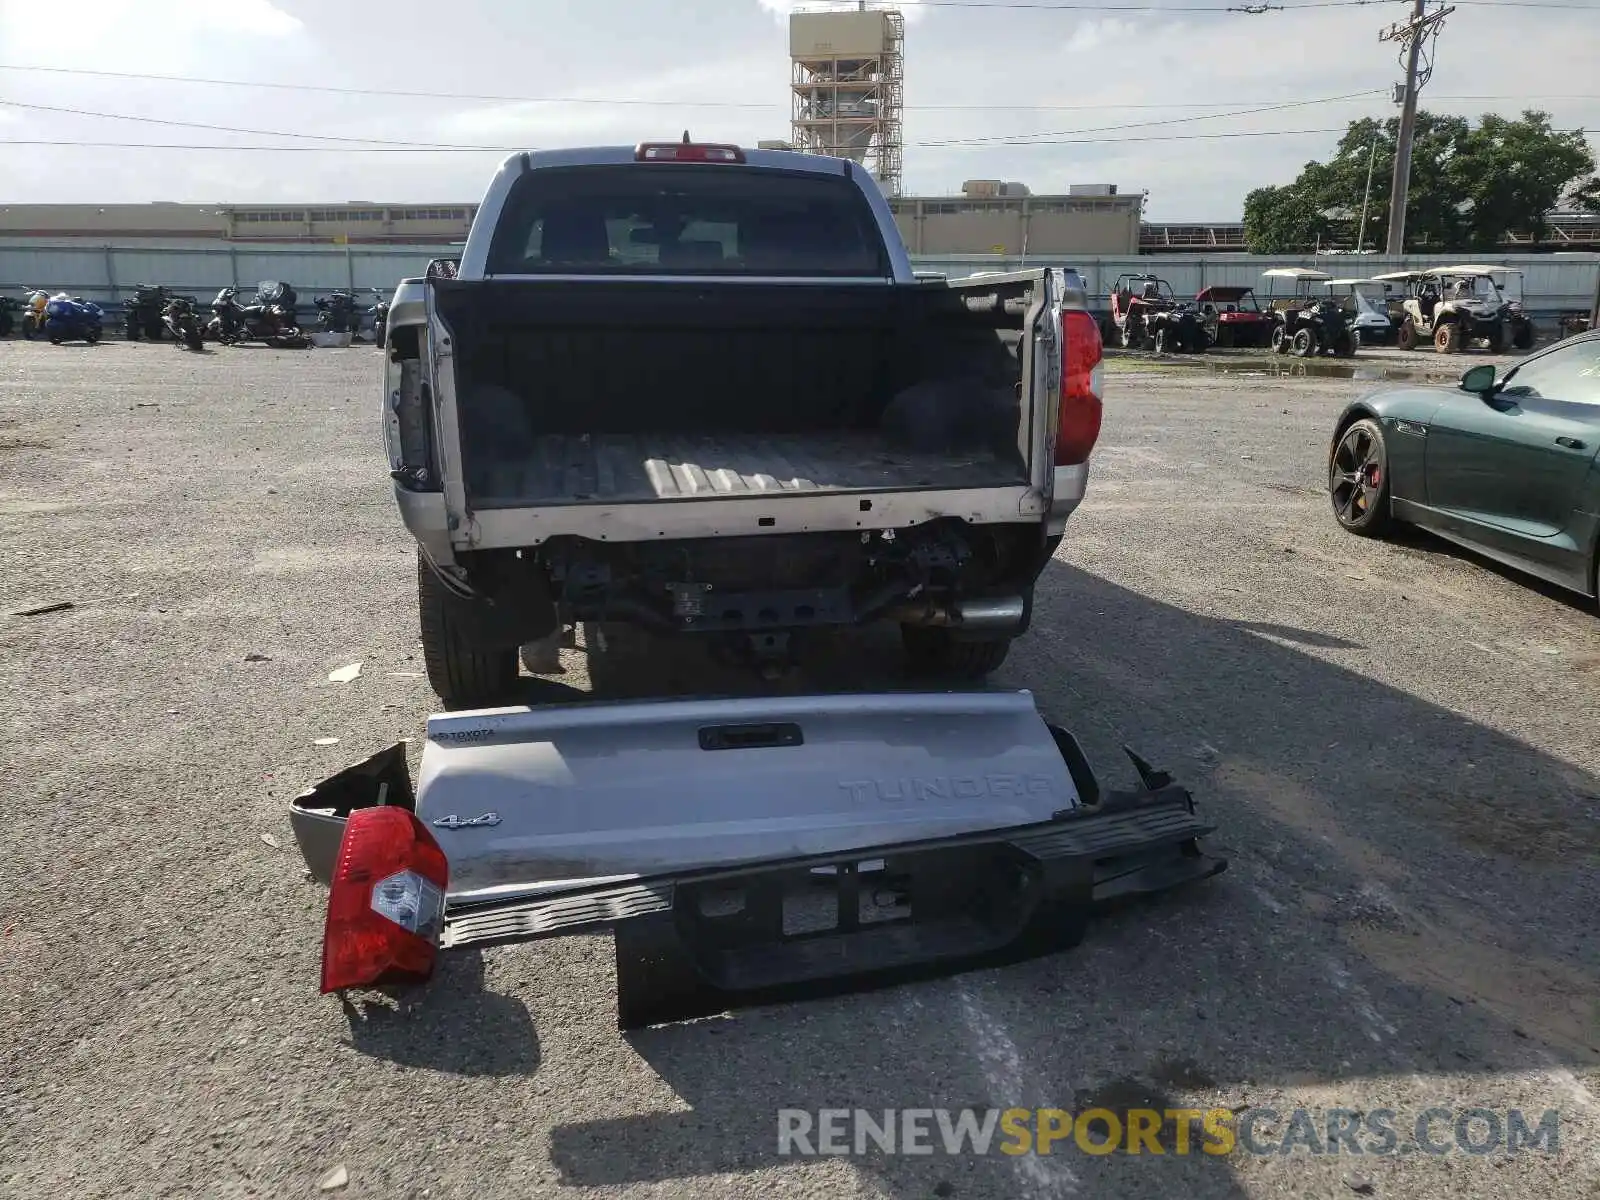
1510,174
1469,185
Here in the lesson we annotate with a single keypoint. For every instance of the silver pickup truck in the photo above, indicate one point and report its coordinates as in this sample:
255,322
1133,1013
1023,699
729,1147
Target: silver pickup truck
700,390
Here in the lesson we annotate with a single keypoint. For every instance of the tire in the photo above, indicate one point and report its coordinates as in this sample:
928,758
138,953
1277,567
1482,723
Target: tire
462,677
1344,346
1447,338
192,338
934,651
30,328
1358,479
5,324
92,334
1304,343
1497,340
1130,333
131,331
1164,341
1407,339
1280,339
1522,339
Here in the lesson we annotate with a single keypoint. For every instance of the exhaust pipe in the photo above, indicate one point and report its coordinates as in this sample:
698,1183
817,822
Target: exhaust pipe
996,612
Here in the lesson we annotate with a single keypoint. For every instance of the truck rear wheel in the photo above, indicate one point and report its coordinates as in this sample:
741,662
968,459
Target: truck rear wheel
463,676
934,651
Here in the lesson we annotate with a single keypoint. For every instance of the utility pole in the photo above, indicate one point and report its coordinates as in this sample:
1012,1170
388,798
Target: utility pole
1372,160
1410,35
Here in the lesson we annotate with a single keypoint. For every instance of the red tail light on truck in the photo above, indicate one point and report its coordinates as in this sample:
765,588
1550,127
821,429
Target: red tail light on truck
687,152
386,901
1082,382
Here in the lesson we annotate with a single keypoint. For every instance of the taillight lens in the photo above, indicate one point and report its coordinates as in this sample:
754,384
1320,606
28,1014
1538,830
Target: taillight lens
1082,380
386,903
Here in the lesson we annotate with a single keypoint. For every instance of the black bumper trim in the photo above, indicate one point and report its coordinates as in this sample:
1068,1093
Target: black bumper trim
982,899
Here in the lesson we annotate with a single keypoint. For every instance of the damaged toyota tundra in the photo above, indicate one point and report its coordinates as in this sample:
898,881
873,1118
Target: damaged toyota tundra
698,389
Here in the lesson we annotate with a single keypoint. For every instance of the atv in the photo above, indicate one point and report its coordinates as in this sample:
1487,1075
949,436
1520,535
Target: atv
1145,315
1456,308
1306,325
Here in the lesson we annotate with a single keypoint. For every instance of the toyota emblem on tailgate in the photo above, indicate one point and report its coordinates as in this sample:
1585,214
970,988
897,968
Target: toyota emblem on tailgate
455,822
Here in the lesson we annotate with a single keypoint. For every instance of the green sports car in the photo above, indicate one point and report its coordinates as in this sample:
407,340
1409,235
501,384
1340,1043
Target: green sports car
1504,464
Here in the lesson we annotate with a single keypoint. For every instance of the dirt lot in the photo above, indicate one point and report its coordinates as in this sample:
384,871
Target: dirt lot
1397,740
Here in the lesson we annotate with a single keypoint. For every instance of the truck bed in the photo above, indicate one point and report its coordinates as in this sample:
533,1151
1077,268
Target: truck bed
627,468
604,391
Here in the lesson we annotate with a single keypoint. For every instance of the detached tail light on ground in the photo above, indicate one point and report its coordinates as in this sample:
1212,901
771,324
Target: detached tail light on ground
386,902
1082,383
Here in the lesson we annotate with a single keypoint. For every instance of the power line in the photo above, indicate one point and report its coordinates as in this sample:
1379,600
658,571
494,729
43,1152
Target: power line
1023,139
1029,5
1175,137
999,139
1089,141
497,98
316,137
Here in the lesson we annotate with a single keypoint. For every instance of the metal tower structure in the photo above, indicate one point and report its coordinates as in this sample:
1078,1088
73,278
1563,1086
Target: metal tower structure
848,78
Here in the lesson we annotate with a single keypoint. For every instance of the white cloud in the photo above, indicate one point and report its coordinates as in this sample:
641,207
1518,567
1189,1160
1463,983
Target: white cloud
248,16
746,80
1092,34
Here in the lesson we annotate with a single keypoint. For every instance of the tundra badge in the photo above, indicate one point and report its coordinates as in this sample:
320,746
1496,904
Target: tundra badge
455,822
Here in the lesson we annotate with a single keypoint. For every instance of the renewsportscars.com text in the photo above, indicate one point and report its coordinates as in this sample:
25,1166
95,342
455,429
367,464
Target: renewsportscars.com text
1174,1131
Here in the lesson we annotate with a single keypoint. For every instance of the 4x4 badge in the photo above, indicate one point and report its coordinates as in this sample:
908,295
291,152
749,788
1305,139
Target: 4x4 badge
455,822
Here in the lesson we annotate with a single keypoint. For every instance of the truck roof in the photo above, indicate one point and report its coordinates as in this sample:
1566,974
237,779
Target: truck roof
600,156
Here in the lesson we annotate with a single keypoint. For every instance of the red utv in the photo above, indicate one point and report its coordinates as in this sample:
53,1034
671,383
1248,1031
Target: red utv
1232,317
1145,315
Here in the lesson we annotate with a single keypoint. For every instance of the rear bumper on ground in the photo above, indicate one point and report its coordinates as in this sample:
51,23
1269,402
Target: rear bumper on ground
960,904
977,836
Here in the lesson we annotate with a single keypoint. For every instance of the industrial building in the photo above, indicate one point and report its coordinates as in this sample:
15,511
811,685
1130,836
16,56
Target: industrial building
352,222
990,217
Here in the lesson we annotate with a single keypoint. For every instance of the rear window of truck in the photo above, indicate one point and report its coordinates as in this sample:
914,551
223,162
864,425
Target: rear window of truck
685,219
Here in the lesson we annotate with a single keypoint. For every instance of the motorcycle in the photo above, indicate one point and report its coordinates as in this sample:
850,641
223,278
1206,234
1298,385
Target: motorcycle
8,306
271,319
336,313
33,313
143,313
72,319
182,323
379,313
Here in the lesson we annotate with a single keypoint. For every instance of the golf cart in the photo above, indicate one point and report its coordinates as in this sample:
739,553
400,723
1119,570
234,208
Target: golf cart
1232,317
1145,315
1306,323
1366,307
1455,307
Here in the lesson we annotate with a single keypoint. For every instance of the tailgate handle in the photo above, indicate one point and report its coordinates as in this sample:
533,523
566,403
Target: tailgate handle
750,737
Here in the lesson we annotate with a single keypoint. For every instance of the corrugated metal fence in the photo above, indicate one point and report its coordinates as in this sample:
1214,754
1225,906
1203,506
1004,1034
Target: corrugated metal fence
1551,283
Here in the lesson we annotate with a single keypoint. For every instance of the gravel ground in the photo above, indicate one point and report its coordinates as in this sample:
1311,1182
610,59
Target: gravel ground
1396,739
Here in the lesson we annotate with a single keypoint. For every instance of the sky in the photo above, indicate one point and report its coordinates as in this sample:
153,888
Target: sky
719,68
